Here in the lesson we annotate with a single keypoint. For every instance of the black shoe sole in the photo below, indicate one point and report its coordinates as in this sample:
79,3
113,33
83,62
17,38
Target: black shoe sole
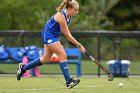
19,75
74,85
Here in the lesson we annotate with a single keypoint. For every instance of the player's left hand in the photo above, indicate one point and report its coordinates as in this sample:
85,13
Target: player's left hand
66,0
82,49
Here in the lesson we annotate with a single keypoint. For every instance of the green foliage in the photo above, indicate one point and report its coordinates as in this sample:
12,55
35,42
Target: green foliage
130,48
91,13
21,14
33,14
125,15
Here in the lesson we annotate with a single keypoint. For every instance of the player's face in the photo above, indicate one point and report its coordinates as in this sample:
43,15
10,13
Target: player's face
74,10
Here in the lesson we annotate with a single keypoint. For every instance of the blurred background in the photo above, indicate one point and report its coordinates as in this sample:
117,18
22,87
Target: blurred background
109,29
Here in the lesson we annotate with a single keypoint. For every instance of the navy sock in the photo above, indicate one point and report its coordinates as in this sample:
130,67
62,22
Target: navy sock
65,71
32,64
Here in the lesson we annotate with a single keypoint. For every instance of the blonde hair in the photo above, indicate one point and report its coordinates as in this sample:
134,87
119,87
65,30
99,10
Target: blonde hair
68,4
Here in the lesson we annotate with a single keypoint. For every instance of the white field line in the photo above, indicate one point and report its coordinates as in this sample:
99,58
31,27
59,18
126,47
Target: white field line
39,89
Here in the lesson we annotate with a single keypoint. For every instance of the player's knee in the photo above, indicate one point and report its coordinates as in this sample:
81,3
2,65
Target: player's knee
63,57
44,60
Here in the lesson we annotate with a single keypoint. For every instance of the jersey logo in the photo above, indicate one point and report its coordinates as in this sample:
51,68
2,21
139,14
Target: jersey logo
49,41
65,67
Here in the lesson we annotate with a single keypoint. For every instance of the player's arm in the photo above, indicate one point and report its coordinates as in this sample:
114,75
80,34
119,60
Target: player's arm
64,28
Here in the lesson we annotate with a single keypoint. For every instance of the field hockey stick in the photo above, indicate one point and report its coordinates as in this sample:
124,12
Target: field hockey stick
110,76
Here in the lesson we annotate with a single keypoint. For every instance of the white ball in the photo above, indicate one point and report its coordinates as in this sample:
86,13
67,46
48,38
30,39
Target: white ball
120,84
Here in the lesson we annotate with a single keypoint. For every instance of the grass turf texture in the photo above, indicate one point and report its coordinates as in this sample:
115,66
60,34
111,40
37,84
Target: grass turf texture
56,84
87,67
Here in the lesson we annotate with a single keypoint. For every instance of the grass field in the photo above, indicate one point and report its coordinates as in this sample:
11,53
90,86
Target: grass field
87,67
56,84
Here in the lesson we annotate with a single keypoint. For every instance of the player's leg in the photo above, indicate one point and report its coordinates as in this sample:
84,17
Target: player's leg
47,55
37,62
41,60
60,52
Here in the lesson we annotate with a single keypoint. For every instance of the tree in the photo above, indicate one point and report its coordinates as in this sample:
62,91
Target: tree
27,15
33,14
125,15
92,14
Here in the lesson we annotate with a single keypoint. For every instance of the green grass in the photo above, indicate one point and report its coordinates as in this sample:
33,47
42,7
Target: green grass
56,84
88,67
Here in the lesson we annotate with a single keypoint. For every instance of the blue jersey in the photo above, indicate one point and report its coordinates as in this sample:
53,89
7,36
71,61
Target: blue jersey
52,28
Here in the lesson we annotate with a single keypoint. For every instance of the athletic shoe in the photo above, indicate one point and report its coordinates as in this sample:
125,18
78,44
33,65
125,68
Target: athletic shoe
72,82
20,71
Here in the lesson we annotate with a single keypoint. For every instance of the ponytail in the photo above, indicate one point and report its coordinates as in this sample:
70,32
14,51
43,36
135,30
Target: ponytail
62,5
59,9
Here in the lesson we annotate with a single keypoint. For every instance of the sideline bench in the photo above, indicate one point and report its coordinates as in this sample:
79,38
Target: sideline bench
73,55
